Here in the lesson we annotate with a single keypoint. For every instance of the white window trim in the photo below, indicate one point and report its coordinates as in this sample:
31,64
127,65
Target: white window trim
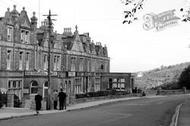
31,89
55,62
81,64
44,88
17,84
22,36
27,37
21,59
9,33
93,66
27,60
73,63
58,62
9,53
45,61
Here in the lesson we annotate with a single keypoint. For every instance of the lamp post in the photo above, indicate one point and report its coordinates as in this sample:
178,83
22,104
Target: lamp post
50,39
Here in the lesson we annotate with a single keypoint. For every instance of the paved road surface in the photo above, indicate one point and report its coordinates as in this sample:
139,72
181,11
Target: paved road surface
139,112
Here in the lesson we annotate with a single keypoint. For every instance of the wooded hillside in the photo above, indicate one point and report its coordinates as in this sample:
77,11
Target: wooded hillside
167,76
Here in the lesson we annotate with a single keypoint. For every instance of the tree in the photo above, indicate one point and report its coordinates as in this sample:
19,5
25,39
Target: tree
184,79
186,14
1,102
131,9
133,6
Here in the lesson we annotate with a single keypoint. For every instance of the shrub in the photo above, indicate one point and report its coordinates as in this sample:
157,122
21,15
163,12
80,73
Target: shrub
1,101
102,93
80,95
184,79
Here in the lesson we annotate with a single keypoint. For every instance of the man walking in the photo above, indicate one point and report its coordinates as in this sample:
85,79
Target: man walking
38,100
62,99
65,101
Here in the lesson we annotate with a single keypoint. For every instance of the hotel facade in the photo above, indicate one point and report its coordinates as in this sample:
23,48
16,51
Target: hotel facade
77,64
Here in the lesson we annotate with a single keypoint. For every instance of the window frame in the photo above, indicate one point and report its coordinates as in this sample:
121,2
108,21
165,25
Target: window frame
73,63
34,87
81,64
9,59
21,60
27,67
45,61
25,36
9,33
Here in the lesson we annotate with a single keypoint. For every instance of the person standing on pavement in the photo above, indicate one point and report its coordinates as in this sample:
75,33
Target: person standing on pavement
65,101
55,99
62,98
38,100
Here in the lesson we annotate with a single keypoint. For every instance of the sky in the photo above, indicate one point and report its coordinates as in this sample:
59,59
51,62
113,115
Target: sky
130,47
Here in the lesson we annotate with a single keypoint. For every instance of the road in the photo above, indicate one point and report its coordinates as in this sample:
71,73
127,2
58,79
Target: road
139,112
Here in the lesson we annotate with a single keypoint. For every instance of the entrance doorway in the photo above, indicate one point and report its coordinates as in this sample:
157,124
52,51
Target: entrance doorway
45,90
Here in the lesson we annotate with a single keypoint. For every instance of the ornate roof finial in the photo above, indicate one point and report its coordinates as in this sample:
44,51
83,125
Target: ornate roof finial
34,18
34,13
23,8
76,27
76,30
14,6
8,9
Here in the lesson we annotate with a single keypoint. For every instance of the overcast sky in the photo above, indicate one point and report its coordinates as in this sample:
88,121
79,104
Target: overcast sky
130,47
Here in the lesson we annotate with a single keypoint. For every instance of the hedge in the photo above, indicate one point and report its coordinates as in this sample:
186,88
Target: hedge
101,93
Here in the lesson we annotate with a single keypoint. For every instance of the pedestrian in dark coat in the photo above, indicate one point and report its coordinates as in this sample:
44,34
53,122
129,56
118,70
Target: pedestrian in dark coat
65,100
38,100
62,100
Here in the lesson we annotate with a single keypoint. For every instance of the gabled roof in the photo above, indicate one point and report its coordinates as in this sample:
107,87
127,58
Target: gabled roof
77,44
23,19
12,17
82,43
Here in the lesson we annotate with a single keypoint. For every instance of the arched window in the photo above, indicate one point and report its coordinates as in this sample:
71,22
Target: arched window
34,87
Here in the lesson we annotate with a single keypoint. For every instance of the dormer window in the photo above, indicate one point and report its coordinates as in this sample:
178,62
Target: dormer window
25,36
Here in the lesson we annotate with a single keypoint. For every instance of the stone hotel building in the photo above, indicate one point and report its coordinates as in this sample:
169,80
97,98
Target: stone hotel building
78,65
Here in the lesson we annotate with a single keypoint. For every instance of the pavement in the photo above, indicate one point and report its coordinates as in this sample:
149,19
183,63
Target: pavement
184,114
182,118
8,113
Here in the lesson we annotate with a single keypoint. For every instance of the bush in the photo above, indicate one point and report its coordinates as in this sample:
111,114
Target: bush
81,95
143,93
101,93
184,79
1,100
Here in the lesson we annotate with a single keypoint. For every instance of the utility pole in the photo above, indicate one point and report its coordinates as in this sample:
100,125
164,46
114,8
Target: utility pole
49,101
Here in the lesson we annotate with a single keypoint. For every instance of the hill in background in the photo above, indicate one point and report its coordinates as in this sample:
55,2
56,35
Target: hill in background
165,76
